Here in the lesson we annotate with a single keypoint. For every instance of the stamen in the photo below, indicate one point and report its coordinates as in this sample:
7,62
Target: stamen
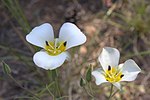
121,76
46,43
55,44
109,68
65,43
50,50
55,48
113,75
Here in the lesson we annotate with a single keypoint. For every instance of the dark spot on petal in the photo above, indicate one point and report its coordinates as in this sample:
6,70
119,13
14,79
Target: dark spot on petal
46,43
121,76
109,68
65,43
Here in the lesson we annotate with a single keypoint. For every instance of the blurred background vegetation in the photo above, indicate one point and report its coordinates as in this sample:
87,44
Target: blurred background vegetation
123,24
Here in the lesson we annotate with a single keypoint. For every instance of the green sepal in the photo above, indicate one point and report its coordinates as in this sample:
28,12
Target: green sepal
6,68
82,82
88,74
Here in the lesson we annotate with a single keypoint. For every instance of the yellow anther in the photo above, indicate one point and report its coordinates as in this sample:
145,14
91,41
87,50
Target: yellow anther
55,48
113,74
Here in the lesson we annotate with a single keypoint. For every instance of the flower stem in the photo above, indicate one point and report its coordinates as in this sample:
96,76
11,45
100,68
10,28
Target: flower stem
55,79
111,91
90,87
114,93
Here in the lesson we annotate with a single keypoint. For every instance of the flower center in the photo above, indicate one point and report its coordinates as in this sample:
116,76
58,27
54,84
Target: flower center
113,74
55,48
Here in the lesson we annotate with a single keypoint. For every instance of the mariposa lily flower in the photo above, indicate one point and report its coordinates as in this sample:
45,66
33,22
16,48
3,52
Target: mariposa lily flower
54,51
111,71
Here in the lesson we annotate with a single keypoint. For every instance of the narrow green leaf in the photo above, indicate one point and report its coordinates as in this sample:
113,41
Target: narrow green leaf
6,68
88,75
82,82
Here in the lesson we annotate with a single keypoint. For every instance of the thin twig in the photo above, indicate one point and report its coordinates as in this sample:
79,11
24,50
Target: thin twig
43,90
23,87
22,38
62,97
14,49
88,92
137,54
89,85
50,92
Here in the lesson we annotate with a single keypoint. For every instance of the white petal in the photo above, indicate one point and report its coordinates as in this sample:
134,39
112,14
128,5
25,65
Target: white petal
130,70
109,57
72,34
40,34
120,65
43,60
117,84
130,66
99,76
129,76
68,56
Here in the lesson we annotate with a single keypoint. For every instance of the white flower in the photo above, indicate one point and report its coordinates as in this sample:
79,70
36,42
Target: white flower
54,51
111,71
